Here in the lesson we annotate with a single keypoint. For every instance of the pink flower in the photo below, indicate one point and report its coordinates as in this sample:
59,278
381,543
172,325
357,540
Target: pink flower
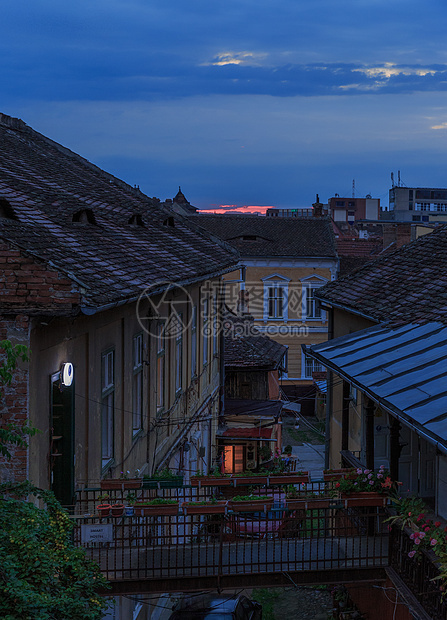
417,541
412,554
421,534
409,514
437,523
370,475
379,475
367,471
433,542
382,467
359,471
427,529
371,482
412,536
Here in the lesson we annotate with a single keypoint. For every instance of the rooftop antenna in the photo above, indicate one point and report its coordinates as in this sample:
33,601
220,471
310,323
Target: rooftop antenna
353,188
392,179
398,178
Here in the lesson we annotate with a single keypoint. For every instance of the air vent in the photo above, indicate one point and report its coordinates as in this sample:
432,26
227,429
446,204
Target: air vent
6,211
84,216
169,221
136,220
249,237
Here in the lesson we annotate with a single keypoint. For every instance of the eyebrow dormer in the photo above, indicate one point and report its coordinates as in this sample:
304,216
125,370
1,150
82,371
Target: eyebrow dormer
136,220
6,211
84,216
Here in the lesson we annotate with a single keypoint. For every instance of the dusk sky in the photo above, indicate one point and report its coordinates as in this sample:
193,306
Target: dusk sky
239,102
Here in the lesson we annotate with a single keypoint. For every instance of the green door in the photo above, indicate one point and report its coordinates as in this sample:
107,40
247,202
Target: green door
62,440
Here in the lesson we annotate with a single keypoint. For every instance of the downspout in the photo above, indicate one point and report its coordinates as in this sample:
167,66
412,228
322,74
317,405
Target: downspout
329,399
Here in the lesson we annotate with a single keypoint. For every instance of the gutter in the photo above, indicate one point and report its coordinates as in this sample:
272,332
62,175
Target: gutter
440,444
90,310
346,309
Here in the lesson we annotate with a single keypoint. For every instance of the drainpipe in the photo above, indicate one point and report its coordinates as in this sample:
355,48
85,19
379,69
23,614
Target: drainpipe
329,398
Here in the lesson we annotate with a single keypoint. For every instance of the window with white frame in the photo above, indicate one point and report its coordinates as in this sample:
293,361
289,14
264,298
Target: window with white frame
310,365
179,357
194,342
107,406
206,329
137,387
160,366
311,308
275,297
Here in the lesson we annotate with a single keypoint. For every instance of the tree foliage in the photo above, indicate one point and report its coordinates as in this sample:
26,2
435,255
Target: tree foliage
43,576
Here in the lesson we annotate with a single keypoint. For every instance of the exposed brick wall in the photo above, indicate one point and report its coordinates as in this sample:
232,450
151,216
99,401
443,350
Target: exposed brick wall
14,402
28,283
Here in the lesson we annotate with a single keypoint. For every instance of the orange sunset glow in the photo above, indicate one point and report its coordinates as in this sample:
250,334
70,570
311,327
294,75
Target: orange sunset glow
254,209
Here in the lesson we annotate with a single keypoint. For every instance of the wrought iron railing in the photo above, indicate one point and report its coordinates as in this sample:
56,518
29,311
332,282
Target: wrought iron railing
418,573
305,538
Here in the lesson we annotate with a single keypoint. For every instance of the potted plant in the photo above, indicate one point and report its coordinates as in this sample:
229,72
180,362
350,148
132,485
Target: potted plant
288,450
296,477
251,503
249,477
117,510
337,474
156,507
265,453
104,507
365,487
215,479
123,482
306,501
213,507
130,500
164,479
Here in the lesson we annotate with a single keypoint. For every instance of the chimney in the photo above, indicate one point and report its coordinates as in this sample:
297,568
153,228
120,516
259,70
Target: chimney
317,208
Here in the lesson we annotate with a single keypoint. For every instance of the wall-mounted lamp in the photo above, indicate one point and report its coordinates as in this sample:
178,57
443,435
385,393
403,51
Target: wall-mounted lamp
67,373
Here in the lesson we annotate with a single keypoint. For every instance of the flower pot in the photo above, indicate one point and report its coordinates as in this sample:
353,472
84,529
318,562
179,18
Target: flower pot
253,505
160,483
307,504
302,478
155,510
117,510
364,498
208,509
251,480
120,483
129,511
211,481
337,474
104,509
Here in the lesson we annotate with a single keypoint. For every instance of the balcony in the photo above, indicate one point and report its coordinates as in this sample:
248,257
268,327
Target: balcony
314,539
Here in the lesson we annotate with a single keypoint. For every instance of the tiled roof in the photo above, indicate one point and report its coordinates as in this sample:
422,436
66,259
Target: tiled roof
44,184
246,347
407,285
268,236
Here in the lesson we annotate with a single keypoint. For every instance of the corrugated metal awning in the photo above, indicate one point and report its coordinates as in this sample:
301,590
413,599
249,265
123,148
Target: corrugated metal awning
402,368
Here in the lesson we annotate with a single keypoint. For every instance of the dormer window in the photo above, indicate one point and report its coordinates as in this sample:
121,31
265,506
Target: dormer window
6,211
169,221
249,238
84,216
136,220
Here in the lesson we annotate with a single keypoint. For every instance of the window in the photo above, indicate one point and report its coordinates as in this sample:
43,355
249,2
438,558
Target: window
215,322
137,387
160,366
276,289
275,301
311,308
309,366
179,357
194,342
107,406
284,368
206,329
